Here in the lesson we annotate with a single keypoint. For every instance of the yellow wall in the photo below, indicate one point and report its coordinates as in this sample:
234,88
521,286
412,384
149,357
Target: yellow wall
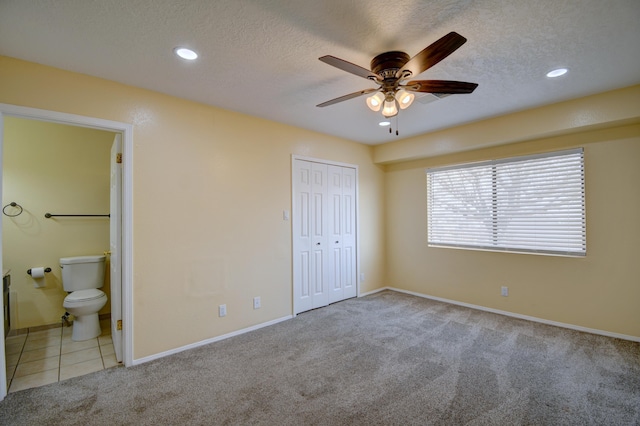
600,291
53,168
614,108
209,188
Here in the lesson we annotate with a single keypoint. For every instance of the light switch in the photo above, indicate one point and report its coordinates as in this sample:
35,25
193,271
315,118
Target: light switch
285,215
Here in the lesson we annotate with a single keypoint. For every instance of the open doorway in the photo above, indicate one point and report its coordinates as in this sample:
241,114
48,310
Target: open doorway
123,247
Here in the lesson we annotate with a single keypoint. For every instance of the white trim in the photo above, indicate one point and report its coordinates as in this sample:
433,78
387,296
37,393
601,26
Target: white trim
3,359
322,161
295,157
64,118
514,315
208,341
378,290
127,209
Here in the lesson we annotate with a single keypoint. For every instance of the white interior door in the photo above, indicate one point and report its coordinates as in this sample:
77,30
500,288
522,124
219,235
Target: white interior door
301,228
349,234
3,361
335,225
115,243
310,236
342,190
320,259
324,234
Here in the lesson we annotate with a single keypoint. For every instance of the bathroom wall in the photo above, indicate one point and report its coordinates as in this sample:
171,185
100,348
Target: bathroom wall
54,168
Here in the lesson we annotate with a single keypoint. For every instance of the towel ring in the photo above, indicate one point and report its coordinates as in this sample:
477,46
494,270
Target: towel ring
12,204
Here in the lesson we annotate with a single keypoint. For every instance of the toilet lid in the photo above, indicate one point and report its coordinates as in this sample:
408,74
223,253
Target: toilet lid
82,295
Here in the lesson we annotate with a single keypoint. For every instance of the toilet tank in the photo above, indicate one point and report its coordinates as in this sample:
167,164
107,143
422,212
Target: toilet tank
82,272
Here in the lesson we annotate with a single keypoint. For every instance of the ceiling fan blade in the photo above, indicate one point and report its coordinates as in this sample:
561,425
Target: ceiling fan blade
440,86
347,97
349,67
432,54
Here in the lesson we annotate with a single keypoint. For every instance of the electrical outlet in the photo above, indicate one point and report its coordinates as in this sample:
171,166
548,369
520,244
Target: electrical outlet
504,291
222,310
256,302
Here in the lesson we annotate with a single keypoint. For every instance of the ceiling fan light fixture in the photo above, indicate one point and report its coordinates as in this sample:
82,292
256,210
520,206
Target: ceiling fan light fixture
404,98
390,108
375,102
384,123
557,72
185,53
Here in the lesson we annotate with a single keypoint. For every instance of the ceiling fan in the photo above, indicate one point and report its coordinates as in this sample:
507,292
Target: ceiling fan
390,70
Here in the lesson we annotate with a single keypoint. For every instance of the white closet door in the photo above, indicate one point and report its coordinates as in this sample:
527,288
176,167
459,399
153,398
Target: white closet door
320,262
301,224
309,241
324,234
336,223
349,232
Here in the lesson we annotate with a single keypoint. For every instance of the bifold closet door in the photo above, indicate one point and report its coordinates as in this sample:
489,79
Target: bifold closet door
342,235
310,265
324,234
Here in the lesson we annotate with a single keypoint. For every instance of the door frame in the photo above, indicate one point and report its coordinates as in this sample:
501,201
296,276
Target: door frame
294,158
126,130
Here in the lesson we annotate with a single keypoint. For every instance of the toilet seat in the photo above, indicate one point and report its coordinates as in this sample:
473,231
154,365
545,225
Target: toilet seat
84,305
81,296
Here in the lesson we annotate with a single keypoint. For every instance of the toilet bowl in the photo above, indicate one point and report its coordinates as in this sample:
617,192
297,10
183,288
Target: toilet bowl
82,276
84,306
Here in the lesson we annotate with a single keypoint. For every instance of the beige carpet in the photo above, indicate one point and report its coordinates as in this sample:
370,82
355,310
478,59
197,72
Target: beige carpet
388,358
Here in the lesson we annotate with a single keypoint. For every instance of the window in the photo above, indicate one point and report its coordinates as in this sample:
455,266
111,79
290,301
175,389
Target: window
521,204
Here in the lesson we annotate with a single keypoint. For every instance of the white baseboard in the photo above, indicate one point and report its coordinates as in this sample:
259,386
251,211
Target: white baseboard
207,341
378,290
399,290
514,315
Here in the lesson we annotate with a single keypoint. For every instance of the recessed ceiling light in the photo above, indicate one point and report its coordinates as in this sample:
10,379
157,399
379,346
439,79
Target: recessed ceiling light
185,53
557,72
384,123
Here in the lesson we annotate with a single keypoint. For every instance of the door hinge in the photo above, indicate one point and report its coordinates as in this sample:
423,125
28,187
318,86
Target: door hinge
119,158
119,325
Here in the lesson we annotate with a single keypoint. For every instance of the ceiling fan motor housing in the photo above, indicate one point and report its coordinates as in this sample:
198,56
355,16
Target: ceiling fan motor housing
387,64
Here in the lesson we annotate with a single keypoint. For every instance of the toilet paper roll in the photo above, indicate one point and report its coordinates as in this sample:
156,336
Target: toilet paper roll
37,272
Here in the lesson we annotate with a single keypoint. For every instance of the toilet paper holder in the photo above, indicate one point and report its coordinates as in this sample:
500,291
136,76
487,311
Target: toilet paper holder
45,269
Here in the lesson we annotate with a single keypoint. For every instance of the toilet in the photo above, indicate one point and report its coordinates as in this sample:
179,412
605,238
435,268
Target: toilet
82,276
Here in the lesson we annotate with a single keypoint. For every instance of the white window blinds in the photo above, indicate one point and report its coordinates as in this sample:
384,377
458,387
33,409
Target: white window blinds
523,204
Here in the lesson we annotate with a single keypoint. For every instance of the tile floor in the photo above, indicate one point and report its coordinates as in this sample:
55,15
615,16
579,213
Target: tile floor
49,356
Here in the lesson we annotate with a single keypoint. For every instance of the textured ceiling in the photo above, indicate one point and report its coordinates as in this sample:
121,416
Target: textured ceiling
260,57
